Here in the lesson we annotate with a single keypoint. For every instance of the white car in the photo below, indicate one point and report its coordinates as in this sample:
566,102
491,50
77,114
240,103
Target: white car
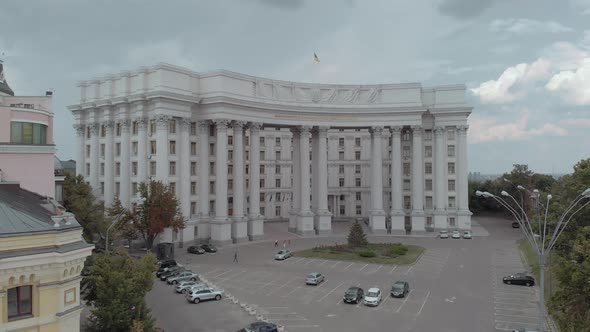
444,234
373,297
182,276
204,294
283,254
183,286
467,235
456,235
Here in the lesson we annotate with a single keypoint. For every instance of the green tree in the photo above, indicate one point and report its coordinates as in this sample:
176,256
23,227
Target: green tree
79,199
159,210
124,227
115,287
356,236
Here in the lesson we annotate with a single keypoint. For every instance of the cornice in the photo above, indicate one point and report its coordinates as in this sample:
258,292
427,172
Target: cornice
23,148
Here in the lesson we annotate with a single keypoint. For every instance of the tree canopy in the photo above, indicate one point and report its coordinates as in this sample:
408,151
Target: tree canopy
356,236
79,199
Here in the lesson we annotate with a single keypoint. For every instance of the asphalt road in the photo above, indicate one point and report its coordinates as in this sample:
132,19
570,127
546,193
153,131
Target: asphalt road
455,286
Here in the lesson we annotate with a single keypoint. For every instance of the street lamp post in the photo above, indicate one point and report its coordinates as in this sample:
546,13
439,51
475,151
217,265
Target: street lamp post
545,244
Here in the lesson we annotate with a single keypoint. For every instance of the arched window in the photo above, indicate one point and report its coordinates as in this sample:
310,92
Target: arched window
28,133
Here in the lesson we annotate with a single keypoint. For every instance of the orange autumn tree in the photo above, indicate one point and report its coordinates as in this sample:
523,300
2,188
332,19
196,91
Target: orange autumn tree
159,210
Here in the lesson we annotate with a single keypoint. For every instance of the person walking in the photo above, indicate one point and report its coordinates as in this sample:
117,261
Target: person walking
276,243
284,244
236,257
289,243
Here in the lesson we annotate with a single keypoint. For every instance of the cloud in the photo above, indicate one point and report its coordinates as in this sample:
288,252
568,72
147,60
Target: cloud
523,26
576,122
464,9
487,129
583,5
506,88
573,86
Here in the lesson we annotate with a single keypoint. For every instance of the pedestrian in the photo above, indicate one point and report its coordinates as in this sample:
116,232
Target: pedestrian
289,243
276,243
236,257
284,244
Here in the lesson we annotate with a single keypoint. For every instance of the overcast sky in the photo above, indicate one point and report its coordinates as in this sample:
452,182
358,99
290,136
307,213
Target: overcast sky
526,63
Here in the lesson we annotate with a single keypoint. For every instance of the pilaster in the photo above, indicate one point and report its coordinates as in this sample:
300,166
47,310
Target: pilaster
255,220
125,176
220,225
162,123
109,163
440,183
240,223
377,214
80,148
142,157
397,213
204,230
305,219
296,188
323,217
94,154
418,217
463,213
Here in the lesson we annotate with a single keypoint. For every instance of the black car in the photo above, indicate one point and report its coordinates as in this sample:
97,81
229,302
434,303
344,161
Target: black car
260,327
400,289
165,275
354,295
166,263
167,269
519,279
515,225
195,250
208,248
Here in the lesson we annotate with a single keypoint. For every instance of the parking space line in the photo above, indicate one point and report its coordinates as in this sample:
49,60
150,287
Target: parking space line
523,316
514,322
405,300
299,260
236,275
392,269
362,268
310,261
292,291
287,283
262,287
425,300
330,292
219,275
348,266
379,268
333,266
207,273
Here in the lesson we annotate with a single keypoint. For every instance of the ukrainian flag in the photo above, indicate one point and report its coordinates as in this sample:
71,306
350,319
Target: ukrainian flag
315,58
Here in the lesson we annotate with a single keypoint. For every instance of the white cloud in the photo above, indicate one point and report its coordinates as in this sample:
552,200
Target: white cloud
573,86
576,122
527,26
583,5
486,129
505,88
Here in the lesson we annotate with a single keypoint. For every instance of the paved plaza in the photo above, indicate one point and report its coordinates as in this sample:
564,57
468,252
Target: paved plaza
456,285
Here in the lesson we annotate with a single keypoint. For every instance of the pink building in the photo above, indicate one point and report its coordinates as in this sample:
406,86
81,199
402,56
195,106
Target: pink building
26,140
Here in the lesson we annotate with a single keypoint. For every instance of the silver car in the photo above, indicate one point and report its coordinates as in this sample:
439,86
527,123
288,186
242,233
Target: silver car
182,276
204,294
314,278
283,254
183,286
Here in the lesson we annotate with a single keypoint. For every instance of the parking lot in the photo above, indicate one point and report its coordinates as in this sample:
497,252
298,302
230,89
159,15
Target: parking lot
456,285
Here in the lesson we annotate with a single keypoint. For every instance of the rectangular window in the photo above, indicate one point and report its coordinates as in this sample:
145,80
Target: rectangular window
117,149
357,141
407,202
118,129
406,151
103,131
247,141
407,169
277,169
134,188
230,184
193,129
117,189
406,136
342,210
211,149
102,188
428,203
193,149
152,127
357,182
261,141
117,169
341,155
134,168
428,168
212,168
87,132
277,183
451,185
428,151
230,140
341,142
262,197
429,221
247,155
451,168
134,147
428,184
341,182
172,168
87,169
358,195
20,301
277,197
428,135
262,169
261,183
340,169
153,147
102,148
357,155
451,201
450,134
277,141
230,169
278,210
212,130
262,211
359,210
212,190
194,208
277,155
230,155
152,168
262,155
87,151
193,188
135,127
407,185
451,150
172,148
452,221
247,171
101,169
357,169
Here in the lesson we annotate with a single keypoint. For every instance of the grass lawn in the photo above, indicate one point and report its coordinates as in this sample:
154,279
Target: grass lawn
382,251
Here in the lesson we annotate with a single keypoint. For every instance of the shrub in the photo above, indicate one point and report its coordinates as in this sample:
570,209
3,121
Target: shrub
367,253
357,237
400,250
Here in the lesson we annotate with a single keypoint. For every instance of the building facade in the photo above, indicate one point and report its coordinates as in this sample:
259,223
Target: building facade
26,140
240,150
41,255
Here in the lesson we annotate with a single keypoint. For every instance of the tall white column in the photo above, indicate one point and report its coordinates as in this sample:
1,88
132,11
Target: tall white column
142,157
397,212
305,219
296,188
80,148
240,223
323,217
255,221
184,160
377,215
440,183
203,230
109,163
94,154
463,213
418,218
162,123
125,175
220,225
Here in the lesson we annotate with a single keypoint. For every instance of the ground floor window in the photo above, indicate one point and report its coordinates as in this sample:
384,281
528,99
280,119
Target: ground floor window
342,210
20,302
358,210
452,221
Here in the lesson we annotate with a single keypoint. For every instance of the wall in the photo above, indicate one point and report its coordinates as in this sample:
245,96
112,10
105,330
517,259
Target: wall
33,171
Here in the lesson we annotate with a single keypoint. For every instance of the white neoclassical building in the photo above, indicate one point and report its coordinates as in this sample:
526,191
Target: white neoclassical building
241,150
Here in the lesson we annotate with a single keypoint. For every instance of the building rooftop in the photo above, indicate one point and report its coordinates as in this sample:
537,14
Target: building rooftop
4,88
24,212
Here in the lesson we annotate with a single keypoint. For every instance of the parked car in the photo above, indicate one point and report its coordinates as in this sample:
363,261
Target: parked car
182,286
400,288
164,276
208,248
195,250
168,269
283,254
515,225
166,263
260,327
353,295
194,288
456,235
182,276
314,278
204,294
525,329
373,297
519,279
444,234
467,235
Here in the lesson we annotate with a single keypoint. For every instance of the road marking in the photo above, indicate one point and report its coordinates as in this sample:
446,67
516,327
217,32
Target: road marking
333,266
394,267
514,322
363,267
330,292
348,266
288,282
405,300
310,261
229,278
522,316
262,287
426,299
379,268
206,273
291,292
219,275
299,260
